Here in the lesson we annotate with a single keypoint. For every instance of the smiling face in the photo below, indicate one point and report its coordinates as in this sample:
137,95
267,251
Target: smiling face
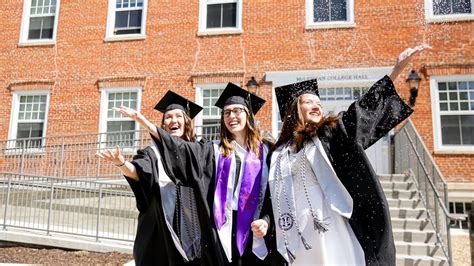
173,121
235,118
310,108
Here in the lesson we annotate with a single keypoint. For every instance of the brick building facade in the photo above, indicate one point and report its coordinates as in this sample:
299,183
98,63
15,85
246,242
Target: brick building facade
63,63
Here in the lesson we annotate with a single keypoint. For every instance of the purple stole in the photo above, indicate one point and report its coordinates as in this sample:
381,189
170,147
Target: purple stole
248,194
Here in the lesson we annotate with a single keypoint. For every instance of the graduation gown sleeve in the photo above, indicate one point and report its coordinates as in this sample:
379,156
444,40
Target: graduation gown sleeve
186,162
142,189
375,114
366,121
153,242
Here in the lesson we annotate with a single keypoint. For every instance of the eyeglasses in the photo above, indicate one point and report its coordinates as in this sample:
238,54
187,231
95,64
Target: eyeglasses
237,111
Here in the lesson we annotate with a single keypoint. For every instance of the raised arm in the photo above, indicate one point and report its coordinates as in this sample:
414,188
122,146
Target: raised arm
381,108
140,118
127,168
404,58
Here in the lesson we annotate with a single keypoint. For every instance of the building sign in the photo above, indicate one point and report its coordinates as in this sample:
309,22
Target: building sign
328,77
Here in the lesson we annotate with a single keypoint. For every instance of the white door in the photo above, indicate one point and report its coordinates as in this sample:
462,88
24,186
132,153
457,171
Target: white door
335,100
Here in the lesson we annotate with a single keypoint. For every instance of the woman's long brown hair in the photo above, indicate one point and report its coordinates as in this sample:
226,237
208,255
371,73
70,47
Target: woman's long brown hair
296,131
188,134
252,137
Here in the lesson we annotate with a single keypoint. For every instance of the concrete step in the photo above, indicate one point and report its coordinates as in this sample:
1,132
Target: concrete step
418,249
411,213
411,224
407,260
398,186
393,178
405,203
414,236
401,194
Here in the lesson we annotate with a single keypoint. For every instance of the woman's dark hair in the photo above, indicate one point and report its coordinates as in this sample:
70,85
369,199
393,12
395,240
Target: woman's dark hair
188,134
296,131
252,133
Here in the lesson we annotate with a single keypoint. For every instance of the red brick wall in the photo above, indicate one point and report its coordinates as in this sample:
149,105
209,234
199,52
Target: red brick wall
173,57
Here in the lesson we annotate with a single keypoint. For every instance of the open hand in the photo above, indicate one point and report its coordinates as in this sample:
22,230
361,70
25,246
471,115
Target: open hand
405,57
115,158
129,112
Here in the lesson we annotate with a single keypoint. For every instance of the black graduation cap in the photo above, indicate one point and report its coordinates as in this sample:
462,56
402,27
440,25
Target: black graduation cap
172,101
234,94
287,94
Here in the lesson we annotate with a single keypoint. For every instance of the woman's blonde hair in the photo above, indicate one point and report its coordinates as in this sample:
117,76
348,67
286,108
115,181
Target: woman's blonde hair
252,136
188,134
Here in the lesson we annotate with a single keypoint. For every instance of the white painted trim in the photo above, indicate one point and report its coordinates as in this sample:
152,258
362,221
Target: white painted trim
109,31
310,24
430,17
439,148
104,93
275,112
25,25
15,110
202,30
200,99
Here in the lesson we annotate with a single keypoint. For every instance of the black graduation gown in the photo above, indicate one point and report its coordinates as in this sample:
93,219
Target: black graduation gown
153,243
193,164
366,121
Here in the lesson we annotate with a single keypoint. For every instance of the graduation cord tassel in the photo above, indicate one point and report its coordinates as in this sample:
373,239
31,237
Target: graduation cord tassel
307,246
291,256
320,226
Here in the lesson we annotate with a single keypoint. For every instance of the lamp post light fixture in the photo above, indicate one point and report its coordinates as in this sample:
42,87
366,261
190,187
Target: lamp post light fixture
252,86
413,82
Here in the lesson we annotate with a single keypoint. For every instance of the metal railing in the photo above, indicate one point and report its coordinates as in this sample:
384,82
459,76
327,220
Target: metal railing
412,157
73,156
100,210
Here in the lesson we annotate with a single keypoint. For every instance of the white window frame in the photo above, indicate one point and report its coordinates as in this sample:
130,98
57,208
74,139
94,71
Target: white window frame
431,17
203,30
104,95
436,115
109,32
16,108
25,26
310,24
198,120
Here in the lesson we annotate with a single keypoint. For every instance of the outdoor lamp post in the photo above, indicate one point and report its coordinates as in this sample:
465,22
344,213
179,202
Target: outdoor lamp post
252,86
413,82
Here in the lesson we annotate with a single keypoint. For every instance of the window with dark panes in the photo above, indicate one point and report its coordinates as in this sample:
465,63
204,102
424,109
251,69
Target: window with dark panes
459,208
456,105
329,10
42,17
128,17
211,114
31,120
120,129
222,15
448,7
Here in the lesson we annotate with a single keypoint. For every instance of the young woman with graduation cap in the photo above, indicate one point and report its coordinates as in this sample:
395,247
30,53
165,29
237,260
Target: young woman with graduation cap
229,177
328,206
168,231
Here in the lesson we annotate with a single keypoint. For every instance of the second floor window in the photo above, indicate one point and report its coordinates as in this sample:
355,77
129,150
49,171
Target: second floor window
126,18
330,10
448,7
220,16
39,21
448,10
329,13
